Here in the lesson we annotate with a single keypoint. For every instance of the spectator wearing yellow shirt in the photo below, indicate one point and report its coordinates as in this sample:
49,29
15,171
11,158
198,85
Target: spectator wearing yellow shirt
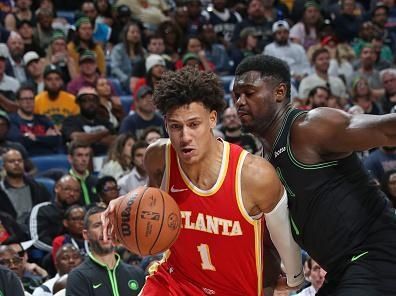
54,102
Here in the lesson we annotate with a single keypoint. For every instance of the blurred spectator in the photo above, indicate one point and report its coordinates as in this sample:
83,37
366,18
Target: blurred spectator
365,35
194,9
15,66
232,130
379,17
10,283
121,18
183,22
107,189
23,192
127,54
383,53
362,96
292,53
54,102
214,51
105,13
138,176
6,145
73,226
316,276
321,62
25,30
246,45
87,127
58,55
347,22
366,69
119,158
79,156
156,45
341,64
223,20
67,258
110,108
101,31
257,20
388,186
193,49
46,218
380,161
306,31
317,97
32,130
144,116
34,70
388,79
89,75
103,266
11,232
8,85
44,31
83,40
155,67
150,135
22,12
173,38
30,277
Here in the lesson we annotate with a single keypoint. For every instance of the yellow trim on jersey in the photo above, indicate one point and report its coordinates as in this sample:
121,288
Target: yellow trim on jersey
166,177
259,255
258,240
220,178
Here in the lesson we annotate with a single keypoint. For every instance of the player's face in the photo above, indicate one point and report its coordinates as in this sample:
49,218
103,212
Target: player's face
255,101
190,131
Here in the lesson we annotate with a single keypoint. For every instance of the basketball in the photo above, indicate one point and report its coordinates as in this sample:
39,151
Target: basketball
147,221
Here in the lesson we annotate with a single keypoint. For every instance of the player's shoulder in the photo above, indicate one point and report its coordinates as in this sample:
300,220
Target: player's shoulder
257,168
155,153
324,115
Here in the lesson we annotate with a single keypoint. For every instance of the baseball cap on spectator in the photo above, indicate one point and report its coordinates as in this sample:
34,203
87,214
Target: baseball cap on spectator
3,51
189,56
4,115
82,20
279,25
309,4
143,90
123,10
249,32
57,34
51,68
154,60
29,57
87,55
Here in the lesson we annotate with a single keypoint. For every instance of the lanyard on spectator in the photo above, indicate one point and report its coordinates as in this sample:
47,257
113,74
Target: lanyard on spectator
87,199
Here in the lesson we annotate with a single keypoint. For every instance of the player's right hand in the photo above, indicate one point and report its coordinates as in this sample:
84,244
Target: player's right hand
108,220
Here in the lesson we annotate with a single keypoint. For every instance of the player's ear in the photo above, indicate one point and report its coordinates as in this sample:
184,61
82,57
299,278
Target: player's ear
280,92
213,119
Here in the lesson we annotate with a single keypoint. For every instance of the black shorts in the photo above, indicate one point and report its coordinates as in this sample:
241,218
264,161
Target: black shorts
374,272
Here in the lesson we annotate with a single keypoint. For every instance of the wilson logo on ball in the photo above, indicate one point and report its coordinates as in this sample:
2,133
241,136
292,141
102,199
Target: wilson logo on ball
125,216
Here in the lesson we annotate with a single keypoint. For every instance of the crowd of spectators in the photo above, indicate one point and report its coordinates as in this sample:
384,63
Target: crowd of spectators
76,86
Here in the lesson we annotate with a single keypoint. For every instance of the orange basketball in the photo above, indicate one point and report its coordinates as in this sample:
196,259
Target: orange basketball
147,221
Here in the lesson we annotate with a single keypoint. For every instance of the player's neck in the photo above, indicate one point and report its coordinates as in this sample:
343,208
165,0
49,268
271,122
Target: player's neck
270,132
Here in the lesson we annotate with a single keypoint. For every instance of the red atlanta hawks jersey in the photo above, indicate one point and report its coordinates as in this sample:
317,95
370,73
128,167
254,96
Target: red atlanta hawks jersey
220,246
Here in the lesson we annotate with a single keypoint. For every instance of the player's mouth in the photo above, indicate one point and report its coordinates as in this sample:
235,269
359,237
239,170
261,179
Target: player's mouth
187,151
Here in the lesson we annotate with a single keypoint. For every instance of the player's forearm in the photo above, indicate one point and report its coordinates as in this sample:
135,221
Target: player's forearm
278,225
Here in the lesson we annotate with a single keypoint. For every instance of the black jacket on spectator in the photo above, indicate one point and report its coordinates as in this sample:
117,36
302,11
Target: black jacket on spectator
39,194
45,224
9,283
92,278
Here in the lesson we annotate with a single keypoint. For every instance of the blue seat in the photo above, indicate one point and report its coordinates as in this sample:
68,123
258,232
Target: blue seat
46,162
49,184
68,15
126,102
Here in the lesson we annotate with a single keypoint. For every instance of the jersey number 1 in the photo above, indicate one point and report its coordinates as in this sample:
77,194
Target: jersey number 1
206,263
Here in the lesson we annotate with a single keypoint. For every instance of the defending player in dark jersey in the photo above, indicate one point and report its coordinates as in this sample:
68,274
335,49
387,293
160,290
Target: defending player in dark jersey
342,221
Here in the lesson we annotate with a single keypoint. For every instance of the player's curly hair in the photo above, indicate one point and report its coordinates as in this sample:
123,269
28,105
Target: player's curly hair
186,86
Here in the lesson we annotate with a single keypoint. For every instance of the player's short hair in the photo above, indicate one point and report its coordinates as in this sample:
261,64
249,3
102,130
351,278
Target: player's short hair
189,85
270,67
92,211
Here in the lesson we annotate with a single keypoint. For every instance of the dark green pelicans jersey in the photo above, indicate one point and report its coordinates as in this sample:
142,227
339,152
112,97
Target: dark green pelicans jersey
332,205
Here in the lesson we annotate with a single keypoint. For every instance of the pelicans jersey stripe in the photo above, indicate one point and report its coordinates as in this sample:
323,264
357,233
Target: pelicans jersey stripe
219,249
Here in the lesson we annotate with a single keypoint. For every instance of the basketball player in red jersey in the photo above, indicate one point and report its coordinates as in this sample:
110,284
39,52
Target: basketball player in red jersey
222,195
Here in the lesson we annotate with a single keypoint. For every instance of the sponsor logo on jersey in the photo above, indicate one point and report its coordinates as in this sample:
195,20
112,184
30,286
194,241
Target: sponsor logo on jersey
279,152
